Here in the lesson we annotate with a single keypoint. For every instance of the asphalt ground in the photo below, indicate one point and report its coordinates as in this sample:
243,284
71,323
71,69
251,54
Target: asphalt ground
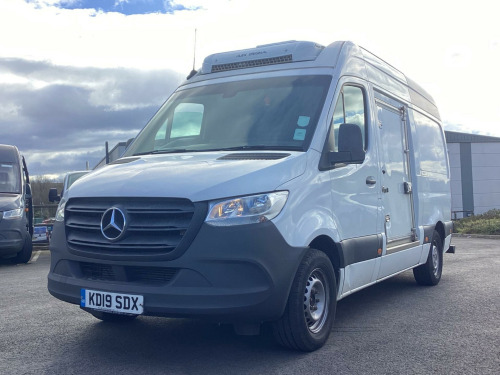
394,327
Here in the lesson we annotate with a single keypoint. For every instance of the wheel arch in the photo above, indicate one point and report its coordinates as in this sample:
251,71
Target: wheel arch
326,245
440,229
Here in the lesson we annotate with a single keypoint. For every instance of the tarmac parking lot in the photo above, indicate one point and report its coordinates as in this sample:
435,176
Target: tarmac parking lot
394,327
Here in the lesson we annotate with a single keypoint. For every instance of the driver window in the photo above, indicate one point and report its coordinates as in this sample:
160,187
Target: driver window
350,109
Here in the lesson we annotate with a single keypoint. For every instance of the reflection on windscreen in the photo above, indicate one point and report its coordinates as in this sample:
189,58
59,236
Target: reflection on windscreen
274,113
74,176
10,181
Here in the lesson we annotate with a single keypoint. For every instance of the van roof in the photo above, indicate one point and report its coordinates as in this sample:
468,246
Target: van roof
355,60
9,154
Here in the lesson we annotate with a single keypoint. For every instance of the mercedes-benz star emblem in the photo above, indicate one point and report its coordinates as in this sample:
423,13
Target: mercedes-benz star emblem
113,224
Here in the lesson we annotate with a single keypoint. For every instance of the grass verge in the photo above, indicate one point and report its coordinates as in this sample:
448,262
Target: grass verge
487,223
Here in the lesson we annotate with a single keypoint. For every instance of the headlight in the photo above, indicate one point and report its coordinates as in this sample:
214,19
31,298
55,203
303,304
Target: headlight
246,210
60,210
13,214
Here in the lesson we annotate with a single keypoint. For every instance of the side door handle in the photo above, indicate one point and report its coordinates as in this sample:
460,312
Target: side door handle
370,180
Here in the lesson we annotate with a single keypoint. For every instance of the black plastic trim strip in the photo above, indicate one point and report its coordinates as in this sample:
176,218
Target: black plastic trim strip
355,250
448,228
428,232
254,156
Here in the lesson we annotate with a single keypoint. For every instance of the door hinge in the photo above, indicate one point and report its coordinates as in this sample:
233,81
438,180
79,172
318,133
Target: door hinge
414,234
407,187
402,109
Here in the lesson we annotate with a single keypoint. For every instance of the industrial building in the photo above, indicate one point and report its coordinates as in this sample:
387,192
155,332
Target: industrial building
475,173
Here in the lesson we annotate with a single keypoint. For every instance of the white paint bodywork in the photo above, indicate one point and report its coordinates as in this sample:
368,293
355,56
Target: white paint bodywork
335,203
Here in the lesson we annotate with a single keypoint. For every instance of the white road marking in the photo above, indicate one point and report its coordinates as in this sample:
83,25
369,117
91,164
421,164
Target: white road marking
35,257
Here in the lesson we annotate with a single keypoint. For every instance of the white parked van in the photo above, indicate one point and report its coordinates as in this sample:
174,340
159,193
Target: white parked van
271,184
69,179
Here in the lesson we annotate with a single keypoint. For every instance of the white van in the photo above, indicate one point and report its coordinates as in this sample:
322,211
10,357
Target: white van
271,184
69,179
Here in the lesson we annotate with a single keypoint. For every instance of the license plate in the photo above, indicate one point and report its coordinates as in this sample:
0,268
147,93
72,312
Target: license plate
112,302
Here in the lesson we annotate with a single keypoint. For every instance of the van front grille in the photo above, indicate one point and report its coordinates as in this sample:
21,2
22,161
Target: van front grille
153,225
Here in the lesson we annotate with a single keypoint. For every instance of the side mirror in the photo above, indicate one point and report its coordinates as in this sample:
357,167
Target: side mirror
53,196
28,192
350,146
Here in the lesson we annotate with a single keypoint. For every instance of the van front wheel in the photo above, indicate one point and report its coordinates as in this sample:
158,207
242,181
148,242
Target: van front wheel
24,255
310,311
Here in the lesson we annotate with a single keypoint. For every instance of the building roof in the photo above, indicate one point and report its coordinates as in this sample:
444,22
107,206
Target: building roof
456,137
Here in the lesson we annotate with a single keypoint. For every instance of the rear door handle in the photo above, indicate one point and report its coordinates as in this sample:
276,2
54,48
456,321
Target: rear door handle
370,180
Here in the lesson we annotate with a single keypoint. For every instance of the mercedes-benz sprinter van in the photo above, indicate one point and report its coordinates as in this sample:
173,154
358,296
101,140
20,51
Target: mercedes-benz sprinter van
272,183
16,209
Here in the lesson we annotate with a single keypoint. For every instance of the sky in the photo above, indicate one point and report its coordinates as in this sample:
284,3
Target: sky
77,73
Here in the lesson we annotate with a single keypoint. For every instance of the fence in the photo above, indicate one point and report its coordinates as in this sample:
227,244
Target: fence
44,211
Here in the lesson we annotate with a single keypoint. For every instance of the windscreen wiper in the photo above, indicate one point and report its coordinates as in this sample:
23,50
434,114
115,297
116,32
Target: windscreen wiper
235,148
259,147
173,151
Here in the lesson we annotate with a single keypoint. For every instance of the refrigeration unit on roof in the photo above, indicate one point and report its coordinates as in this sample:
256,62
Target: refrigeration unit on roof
268,54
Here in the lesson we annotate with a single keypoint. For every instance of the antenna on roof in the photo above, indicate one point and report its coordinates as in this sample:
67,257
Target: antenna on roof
193,72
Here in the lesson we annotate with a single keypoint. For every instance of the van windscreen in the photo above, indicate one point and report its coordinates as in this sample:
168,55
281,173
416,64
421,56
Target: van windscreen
10,181
270,114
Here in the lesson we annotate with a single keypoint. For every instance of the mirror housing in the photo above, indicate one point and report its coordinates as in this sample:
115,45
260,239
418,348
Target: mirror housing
28,195
53,196
350,144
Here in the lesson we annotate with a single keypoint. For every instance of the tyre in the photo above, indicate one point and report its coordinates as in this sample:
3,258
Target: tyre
310,310
110,317
24,255
429,273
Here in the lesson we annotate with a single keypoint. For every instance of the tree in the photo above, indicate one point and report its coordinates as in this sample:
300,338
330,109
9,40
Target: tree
40,187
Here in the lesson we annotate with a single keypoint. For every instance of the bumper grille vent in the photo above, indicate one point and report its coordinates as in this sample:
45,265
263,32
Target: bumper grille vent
141,275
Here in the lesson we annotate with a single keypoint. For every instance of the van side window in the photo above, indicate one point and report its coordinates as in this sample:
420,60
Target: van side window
162,132
432,158
350,109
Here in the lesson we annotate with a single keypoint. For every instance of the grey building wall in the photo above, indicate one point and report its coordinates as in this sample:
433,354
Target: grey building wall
456,177
475,173
486,176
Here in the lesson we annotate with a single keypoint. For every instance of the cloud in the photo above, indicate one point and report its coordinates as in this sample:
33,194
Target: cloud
60,116
101,65
127,7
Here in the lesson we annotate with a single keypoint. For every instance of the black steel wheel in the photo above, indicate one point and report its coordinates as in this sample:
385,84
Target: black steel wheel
24,255
310,311
429,273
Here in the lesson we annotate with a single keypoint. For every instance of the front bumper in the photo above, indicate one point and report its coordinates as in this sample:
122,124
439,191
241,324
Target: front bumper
12,238
240,273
